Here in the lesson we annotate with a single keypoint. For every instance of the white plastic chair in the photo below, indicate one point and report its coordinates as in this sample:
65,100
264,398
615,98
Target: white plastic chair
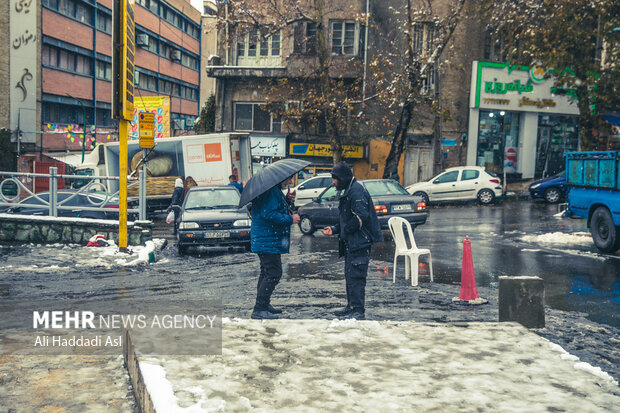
411,254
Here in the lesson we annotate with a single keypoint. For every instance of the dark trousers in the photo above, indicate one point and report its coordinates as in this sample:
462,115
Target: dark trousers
270,274
355,273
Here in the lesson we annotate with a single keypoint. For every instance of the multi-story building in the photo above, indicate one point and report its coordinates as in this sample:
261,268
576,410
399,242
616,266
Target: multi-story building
61,70
250,57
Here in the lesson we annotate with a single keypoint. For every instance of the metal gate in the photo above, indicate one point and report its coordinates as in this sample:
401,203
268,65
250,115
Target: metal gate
418,164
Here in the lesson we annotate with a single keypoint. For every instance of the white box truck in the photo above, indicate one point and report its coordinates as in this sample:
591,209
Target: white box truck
209,159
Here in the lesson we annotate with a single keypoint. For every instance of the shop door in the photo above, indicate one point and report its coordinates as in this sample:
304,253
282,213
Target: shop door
42,167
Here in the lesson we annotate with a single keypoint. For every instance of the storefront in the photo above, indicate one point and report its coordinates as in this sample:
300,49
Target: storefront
519,123
266,149
321,156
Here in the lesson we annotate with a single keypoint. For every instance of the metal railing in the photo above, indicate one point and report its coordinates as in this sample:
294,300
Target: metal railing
95,192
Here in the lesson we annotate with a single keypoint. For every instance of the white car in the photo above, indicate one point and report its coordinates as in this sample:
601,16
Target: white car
460,183
310,188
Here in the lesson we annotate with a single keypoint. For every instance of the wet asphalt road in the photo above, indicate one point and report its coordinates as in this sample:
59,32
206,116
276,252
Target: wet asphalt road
582,286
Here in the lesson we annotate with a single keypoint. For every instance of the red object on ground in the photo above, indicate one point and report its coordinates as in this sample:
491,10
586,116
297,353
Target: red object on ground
468,278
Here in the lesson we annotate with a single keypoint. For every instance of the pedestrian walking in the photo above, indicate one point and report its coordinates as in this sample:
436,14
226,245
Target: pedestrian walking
358,228
232,181
270,237
177,200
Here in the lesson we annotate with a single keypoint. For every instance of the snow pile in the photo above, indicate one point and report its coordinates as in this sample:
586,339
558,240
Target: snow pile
560,238
330,365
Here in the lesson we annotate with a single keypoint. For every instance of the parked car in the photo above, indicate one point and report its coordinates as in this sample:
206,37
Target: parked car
460,183
210,217
389,197
552,188
70,203
310,188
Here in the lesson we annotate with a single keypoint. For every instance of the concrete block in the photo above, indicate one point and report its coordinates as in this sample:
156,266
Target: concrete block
522,299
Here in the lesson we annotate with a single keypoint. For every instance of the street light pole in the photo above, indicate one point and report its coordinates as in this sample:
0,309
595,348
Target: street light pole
84,119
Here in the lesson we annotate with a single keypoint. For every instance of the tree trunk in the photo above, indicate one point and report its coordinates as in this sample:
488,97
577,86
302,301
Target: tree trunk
399,140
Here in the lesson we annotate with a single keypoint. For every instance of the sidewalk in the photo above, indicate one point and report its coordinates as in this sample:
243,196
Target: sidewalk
329,366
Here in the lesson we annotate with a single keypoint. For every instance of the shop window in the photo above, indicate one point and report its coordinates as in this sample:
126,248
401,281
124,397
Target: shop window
557,134
498,140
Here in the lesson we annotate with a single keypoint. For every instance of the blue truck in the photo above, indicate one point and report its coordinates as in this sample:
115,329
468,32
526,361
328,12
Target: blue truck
593,179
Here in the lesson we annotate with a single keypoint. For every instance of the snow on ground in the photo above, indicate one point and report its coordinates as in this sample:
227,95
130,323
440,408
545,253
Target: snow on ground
560,238
323,365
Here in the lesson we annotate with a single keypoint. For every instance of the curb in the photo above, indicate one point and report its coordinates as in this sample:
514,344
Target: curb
141,394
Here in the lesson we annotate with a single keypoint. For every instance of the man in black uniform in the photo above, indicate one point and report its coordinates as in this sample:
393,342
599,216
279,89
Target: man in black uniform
358,228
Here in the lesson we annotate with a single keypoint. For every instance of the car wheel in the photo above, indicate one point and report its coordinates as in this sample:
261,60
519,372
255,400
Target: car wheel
423,195
604,233
182,249
306,226
552,195
486,196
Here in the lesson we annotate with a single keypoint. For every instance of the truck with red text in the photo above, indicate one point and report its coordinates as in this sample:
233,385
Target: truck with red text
209,159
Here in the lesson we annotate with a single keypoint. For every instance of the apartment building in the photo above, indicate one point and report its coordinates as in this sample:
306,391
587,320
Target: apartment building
249,57
61,70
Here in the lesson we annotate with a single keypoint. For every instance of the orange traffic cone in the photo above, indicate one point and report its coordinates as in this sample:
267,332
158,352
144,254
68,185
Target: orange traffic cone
469,292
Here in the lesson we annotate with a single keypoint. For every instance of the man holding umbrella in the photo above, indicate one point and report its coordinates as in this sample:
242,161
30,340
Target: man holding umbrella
271,222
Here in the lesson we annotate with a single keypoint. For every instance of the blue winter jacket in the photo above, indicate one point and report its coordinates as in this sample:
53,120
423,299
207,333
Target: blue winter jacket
271,223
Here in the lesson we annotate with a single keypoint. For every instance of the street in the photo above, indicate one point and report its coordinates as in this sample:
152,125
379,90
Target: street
512,237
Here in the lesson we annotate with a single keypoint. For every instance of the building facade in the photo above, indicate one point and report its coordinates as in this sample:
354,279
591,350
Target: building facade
250,57
61,70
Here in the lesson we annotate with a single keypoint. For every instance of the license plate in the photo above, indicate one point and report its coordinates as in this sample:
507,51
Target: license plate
403,207
217,234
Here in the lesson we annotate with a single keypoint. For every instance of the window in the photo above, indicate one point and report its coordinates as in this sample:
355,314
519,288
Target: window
104,70
451,176
255,48
49,55
423,38
82,65
304,34
104,22
346,37
469,174
255,117
52,4
164,50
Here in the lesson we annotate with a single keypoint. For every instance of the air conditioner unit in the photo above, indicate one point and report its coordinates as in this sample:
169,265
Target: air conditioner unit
142,40
136,78
176,55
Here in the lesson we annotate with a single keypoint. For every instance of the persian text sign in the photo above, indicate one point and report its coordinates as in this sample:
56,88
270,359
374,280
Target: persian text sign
502,86
23,80
158,106
313,149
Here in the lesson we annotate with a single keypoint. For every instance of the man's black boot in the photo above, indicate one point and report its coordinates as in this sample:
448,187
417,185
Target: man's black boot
343,312
263,315
274,310
354,313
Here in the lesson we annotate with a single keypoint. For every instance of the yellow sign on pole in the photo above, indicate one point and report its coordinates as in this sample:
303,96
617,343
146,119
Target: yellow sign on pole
128,32
146,124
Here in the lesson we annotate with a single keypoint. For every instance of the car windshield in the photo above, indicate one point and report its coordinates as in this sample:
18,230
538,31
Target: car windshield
385,187
212,199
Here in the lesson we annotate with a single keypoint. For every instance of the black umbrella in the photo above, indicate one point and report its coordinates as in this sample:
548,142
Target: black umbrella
269,177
